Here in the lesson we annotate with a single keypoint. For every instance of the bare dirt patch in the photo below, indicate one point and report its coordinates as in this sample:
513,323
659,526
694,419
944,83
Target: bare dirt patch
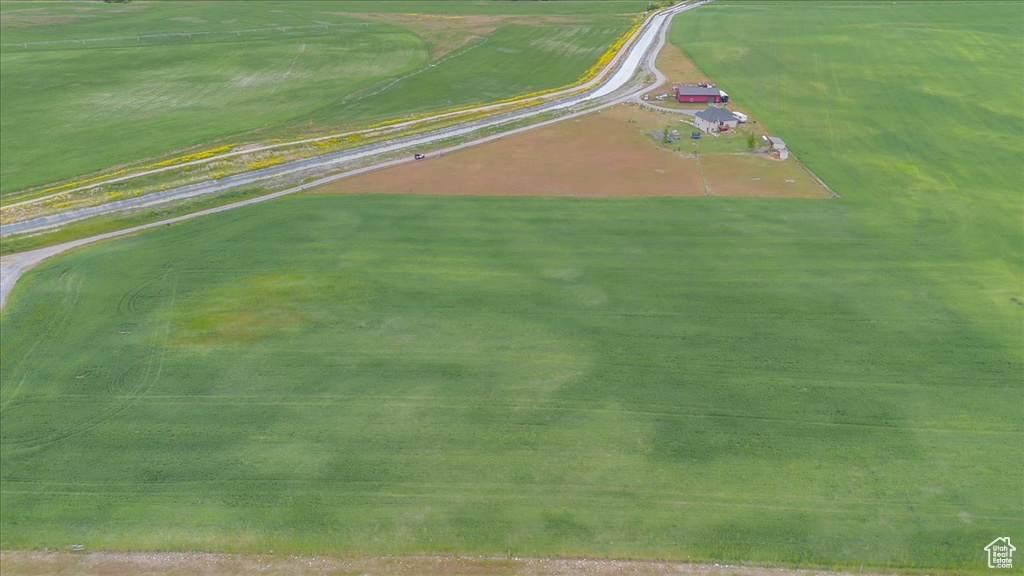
200,564
602,154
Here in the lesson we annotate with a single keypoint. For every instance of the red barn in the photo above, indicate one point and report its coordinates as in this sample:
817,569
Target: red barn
688,94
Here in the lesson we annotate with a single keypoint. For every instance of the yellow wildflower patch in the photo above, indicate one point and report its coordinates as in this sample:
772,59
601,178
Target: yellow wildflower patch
190,157
265,163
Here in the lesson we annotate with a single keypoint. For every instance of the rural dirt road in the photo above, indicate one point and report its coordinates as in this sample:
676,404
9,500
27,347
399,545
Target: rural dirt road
647,104
641,54
182,563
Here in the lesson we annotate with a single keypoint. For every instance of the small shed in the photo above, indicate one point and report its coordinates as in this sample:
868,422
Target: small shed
714,118
778,145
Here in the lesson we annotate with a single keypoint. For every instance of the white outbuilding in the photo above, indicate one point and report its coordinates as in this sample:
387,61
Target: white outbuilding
778,145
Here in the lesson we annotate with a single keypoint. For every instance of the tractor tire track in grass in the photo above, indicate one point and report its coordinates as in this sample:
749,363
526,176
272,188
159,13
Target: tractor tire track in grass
443,492
52,317
167,488
124,389
426,68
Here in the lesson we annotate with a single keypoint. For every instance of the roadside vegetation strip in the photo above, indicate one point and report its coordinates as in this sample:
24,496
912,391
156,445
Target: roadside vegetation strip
22,250
480,132
219,154
123,174
20,210
612,52
258,172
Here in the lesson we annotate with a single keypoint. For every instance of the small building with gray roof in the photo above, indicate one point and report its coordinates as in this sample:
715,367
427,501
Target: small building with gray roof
714,118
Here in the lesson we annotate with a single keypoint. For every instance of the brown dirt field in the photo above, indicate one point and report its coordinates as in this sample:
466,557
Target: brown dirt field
200,564
598,155
444,33
758,175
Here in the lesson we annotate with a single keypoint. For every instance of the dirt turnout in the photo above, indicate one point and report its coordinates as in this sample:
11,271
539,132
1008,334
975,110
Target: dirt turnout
597,155
202,564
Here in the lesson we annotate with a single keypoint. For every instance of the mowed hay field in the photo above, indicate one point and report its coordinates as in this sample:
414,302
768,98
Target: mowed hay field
140,86
773,381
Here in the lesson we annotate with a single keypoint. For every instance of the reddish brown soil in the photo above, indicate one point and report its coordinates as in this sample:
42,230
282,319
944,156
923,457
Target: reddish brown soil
200,564
597,155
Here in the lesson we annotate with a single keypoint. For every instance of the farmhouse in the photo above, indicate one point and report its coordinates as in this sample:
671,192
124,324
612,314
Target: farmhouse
687,94
778,145
714,118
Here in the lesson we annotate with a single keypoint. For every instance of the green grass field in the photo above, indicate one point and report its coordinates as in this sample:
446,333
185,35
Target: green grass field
125,94
807,382
502,64
477,375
